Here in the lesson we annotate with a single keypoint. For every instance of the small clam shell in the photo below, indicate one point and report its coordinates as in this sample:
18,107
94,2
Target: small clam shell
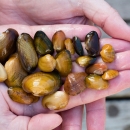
63,62
58,41
107,53
19,95
78,46
40,84
26,51
55,101
75,83
7,44
69,46
42,43
97,68
3,73
110,74
92,43
95,81
15,72
47,63
85,61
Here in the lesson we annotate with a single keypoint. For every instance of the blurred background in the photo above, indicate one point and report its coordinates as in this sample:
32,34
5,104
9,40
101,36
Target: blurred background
118,105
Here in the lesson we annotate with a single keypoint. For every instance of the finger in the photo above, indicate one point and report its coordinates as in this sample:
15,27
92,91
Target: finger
102,14
96,114
72,119
38,122
69,29
44,122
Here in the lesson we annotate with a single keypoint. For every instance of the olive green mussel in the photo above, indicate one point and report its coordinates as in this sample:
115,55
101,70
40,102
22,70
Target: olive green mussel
7,44
15,72
85,61
3,73
64,62
26,51
40,84
42,43
19,95
56,101
95,81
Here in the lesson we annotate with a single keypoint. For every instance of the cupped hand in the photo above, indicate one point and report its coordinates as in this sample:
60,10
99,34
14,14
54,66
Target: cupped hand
64,12
19,116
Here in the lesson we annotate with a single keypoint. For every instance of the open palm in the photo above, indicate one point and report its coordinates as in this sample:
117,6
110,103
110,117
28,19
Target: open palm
34,14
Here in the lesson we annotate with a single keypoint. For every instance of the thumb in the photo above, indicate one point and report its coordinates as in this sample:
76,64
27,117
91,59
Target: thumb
102,14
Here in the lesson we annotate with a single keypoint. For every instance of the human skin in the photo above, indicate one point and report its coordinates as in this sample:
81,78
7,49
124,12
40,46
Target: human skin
72,12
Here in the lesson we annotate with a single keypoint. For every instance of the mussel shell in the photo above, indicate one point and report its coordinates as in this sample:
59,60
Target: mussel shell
92,44
41,84
85,61
78,46
110,74
69,46
47,63
95,81
58,41
107,53
97,68
26,51
42,43
63,62
55,101
15,72
7,44
19,95
3,73
75,83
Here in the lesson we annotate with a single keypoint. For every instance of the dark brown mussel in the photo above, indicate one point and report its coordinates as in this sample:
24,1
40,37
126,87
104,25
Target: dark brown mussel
42,43
63,62
15,72
78,46
26,51
41,84
85,61
107,53
97,68
75,83
19,95
7,44
95,81
69,46
92,44
58,41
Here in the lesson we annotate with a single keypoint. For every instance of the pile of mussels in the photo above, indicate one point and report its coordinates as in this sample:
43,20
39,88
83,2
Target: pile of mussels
20,55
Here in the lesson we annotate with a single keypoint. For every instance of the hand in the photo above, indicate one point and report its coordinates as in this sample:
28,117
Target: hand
122,51
64,12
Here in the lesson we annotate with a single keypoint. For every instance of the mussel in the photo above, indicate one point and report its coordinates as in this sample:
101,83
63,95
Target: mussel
26,51
75,83
7,44
92,44
41,84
